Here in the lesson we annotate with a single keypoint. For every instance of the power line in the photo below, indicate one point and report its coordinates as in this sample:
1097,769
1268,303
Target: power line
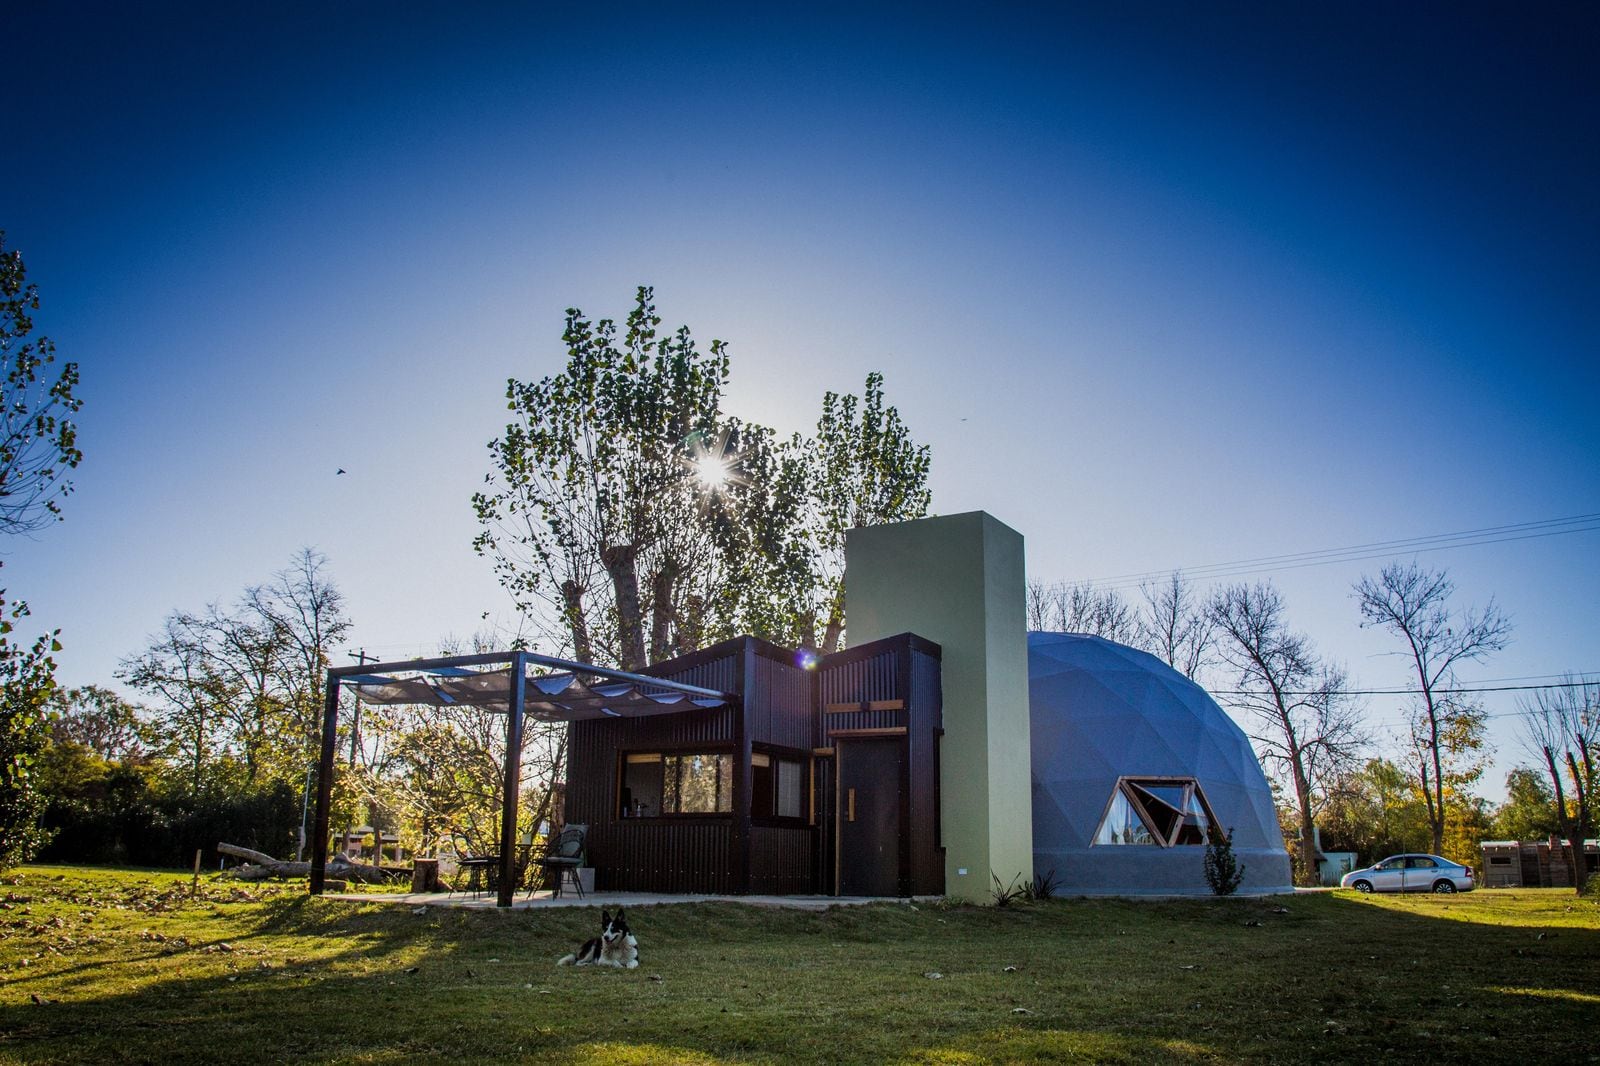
1457,691
1549,527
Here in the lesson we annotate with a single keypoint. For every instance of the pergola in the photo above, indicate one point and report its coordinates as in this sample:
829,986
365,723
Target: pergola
517,684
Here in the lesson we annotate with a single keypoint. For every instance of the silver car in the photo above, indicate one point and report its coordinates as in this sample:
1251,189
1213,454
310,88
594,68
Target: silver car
1411,873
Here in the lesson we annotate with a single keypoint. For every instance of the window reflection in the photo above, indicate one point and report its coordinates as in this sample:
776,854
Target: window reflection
1163,811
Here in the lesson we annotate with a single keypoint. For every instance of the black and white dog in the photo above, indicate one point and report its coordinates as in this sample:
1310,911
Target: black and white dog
615,946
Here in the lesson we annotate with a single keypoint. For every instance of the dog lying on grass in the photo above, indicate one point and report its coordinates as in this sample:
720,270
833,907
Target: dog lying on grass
615,946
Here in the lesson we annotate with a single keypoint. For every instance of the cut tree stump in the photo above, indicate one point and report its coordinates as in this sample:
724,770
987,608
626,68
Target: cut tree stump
425,876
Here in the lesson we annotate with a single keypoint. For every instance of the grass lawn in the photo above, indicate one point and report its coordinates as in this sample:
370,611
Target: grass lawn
122,966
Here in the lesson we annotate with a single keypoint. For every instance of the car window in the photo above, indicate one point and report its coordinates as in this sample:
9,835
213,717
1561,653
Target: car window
1389,864
1422,862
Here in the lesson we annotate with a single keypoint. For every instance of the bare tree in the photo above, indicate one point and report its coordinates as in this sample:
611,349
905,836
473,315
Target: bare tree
244,684
1175,626
1412,602
1081,608
1562,726
1307,726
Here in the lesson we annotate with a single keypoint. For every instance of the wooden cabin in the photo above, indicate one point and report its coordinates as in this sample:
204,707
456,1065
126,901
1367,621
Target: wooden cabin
1535,863
822,779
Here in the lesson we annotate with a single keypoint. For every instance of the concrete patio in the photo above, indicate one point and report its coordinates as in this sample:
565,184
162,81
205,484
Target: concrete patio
542,899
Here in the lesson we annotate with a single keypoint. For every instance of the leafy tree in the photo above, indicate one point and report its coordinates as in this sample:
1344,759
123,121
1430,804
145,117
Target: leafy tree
635,519
38,443
1373,811
1306,727
38,439
101,722
1446,728
865,470
27,682
1529,812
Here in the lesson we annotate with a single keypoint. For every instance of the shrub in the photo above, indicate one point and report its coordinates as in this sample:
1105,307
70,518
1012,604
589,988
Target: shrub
1223,869
1043,886
1007,894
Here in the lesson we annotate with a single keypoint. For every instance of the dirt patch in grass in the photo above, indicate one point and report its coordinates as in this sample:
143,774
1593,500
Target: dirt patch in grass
111,966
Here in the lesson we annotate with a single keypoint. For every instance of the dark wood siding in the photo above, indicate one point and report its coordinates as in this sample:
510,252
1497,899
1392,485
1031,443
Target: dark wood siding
689,854
868,674
780,705
780,861
927,704
905,668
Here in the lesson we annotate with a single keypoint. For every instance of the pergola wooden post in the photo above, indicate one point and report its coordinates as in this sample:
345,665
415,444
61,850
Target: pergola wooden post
319,833
513,783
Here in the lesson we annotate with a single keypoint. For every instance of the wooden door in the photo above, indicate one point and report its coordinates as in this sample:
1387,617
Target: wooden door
868,814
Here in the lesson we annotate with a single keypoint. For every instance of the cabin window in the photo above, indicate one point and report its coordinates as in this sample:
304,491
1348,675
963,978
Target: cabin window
655,784
777,786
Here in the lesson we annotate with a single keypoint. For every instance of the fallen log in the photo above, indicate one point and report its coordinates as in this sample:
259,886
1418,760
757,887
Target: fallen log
261,866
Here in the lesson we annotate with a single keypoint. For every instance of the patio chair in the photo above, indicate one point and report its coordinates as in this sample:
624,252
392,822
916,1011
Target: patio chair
482,873
564,858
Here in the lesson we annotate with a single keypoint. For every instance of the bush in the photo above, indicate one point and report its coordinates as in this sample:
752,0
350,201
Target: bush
1223,870
121,819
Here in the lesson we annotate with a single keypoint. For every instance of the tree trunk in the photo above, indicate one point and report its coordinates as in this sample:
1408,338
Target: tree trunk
835,626
265,866
1569,827
572,604
621,561
1307,876
662,587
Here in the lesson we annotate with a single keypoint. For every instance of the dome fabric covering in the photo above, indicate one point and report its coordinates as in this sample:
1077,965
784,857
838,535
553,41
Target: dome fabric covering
1101,712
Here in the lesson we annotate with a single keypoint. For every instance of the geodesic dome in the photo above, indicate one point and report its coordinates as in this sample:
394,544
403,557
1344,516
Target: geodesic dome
1131,762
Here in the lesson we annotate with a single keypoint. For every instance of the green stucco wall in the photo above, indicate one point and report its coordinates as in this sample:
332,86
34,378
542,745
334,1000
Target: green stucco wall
959,580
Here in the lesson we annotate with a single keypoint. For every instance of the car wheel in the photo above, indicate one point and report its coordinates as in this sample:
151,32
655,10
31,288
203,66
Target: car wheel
1362,886
1444,887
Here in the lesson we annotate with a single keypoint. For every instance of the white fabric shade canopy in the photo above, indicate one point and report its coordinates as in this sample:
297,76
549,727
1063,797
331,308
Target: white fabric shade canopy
560,697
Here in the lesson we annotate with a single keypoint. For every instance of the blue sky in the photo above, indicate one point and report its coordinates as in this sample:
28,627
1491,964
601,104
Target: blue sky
1161,285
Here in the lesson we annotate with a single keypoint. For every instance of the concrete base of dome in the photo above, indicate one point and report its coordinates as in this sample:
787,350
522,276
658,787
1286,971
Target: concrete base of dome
1150,871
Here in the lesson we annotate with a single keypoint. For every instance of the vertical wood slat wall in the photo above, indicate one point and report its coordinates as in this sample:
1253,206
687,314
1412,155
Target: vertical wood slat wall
692,853
905,668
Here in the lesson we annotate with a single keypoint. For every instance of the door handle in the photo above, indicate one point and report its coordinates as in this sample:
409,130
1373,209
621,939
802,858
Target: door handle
852,806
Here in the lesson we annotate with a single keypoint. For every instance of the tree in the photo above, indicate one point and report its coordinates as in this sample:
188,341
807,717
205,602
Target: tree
38,439
1081,608
1562,726
1175,626
1446,727
240,688
634,519
101,722
1373,811
1529,810
27,683
1306,726
38,442
865,471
